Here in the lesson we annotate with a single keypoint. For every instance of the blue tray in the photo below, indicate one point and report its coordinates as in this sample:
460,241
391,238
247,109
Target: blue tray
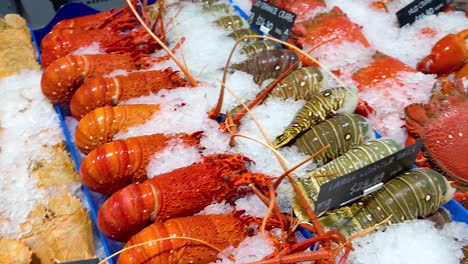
95,200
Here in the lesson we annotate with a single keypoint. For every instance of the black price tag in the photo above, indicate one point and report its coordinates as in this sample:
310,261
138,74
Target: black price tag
87,261
419,8
361,182
271,20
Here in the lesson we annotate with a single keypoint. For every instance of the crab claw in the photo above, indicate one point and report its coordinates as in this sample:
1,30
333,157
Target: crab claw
447,55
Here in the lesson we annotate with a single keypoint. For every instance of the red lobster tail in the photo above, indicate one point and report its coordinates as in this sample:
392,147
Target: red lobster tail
62,77
126,212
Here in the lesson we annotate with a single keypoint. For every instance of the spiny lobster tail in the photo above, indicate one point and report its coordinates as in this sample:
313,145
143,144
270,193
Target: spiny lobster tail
100,125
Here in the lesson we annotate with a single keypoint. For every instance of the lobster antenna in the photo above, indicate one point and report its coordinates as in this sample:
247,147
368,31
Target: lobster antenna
104,261
260,142
187,74
260,128
272,207
290,170
213,114
182,53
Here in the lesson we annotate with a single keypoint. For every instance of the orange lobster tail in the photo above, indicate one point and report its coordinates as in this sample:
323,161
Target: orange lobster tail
383,68
100,125
173,194
116,164
326,26
220,231
61,78
102,91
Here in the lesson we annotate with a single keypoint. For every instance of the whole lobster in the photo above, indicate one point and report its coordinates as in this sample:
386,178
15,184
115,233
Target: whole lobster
116,31
185,251
102,91
448,54
181,192
116,164
100,125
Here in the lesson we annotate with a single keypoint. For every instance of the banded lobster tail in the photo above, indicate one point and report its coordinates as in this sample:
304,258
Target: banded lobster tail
100,125
302,83
233,22
258,47
267,64
341,132
299,84
320,107
116,164
357,157
414,194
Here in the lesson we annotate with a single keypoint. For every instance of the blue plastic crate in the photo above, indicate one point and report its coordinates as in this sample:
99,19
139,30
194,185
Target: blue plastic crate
95,200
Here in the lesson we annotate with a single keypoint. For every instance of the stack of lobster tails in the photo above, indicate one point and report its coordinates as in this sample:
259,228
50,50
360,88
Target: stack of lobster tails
164,215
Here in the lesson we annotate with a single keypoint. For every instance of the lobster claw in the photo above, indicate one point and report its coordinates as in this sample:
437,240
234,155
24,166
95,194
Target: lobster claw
447,55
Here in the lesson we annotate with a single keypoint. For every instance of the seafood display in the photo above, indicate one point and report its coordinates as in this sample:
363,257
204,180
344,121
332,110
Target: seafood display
180,177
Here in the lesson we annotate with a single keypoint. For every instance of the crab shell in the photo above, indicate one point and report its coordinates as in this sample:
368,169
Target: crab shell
443,125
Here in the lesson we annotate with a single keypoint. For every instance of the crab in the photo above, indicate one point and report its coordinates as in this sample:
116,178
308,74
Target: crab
443,125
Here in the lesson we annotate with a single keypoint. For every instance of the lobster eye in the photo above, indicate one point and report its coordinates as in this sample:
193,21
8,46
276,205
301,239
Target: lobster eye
277,67
347,136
